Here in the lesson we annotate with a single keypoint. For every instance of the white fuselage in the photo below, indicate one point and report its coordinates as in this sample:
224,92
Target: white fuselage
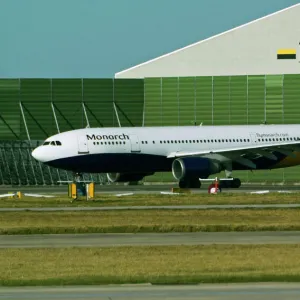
133,149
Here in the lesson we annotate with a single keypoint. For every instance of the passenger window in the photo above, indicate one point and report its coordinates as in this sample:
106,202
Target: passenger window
212,141
171,142
226,141
153,142
222,141
142,142
101,143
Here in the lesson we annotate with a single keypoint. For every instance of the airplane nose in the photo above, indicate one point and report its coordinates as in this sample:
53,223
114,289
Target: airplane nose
37,154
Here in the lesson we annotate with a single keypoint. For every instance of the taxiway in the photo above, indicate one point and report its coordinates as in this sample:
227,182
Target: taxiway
256,291
147,239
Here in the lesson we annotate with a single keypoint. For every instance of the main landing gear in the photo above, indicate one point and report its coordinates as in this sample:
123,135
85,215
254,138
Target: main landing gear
233,183
195,183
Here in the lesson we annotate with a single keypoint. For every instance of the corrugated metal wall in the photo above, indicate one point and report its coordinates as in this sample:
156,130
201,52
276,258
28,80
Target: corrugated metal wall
225,100
40,97
33,109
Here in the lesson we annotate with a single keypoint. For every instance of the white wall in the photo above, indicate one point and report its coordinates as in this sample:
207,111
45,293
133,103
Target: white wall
248,49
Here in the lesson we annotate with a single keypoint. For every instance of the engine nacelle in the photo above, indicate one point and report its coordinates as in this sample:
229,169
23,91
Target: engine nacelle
125,177
191,167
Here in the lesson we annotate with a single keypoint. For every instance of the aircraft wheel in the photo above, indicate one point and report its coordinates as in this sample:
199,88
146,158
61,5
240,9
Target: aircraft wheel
236,183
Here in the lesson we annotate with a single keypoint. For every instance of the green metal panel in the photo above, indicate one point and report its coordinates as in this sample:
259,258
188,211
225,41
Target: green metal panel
266,176
238,100
274,99
10,117
67,95
291,107
187,101
35,96
98,99
203,89
221,100
256,99
291,174
291,96
129,101
152,100
170,107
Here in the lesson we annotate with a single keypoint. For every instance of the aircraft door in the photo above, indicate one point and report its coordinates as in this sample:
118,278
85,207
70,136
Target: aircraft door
253,138
135,143
82,145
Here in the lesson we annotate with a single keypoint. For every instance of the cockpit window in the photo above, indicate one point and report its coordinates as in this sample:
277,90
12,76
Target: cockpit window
52,143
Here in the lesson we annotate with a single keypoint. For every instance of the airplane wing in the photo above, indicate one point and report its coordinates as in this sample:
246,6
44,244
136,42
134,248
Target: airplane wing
240,154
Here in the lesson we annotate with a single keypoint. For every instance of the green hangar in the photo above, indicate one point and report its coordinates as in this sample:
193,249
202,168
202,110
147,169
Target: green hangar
247,75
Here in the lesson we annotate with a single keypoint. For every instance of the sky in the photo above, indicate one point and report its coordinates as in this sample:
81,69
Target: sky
98,38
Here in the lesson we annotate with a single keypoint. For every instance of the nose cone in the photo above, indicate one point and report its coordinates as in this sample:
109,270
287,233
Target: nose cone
37,154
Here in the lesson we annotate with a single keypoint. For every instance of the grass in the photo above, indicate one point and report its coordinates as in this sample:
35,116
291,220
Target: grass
149,221
154,199
157,265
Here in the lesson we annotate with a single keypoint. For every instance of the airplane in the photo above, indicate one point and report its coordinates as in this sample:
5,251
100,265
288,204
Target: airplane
190,152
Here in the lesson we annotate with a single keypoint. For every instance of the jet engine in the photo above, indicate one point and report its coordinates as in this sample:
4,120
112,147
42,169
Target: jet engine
194,167
125,177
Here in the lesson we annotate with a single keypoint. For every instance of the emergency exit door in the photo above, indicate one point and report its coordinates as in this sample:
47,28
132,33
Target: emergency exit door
135,143
82,145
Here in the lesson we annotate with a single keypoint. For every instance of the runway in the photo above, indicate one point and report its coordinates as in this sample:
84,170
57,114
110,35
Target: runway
153,207
147,239
144,189
256,291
